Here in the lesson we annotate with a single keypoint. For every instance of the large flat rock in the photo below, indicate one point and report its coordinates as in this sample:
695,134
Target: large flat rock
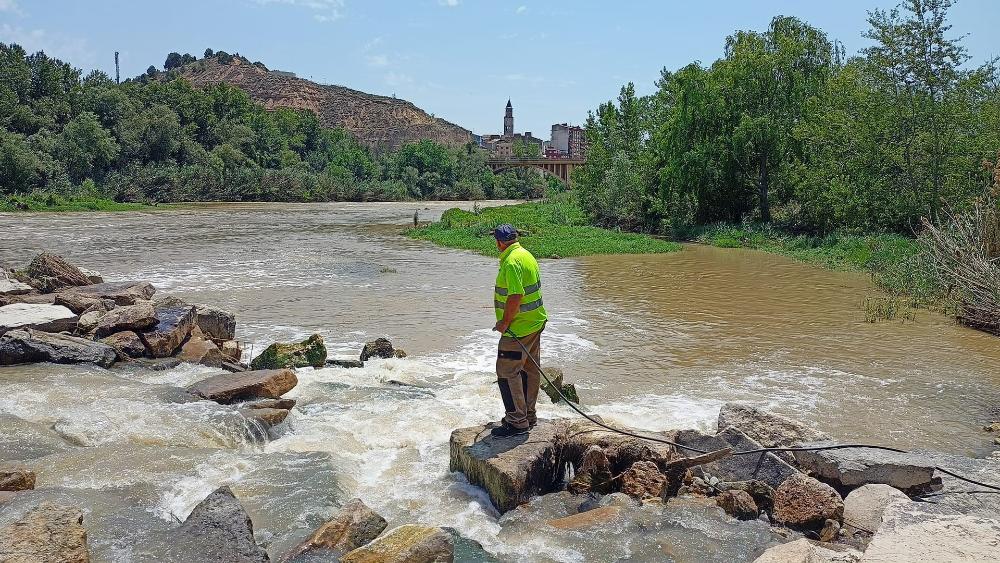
849,468
511,470
229,388
13,287
765,427
929,533
122,293
26,346
135,317
40,316
771,470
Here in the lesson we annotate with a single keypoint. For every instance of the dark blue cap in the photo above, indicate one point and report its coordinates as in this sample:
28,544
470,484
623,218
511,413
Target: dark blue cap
505,233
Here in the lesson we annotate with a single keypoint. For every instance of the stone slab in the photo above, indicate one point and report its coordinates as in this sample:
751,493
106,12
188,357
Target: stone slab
40,316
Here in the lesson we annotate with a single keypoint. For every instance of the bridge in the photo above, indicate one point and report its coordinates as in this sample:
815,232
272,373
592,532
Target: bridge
559,167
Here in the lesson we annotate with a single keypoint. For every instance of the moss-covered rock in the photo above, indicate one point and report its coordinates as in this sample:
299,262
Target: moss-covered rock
555,375
309,352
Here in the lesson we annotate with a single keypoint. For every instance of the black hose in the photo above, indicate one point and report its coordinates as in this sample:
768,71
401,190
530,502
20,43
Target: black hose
745,452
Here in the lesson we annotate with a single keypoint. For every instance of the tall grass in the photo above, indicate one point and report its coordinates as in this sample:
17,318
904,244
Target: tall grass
58,202
550,229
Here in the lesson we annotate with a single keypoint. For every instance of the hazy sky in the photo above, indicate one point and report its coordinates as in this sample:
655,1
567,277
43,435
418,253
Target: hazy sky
458,59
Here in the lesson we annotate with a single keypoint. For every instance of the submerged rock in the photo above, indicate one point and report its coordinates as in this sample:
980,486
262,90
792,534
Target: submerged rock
23,440
176,319
738,504
406,544
50,272
122,293
229,388
286,404
44,317
378,348
804,503
25,346
16,478
352,527
599,516
218,530
311,352
48,533
849,468
267,417
345,363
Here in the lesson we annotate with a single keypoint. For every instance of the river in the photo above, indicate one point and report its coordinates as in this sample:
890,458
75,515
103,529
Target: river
653,342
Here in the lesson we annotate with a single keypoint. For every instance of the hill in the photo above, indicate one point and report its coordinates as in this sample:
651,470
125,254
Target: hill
377,121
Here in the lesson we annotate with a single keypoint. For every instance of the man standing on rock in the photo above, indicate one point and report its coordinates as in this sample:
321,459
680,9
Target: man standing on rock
517,300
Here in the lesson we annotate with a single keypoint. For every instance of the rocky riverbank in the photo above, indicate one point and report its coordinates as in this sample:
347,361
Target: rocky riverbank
841,505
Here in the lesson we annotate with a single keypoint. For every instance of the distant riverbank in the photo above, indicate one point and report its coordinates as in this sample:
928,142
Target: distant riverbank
56,202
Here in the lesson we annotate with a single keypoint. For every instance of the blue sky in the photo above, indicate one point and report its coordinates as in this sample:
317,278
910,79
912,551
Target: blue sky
458,59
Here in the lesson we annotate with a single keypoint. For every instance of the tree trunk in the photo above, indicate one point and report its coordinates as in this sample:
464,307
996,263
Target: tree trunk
765,206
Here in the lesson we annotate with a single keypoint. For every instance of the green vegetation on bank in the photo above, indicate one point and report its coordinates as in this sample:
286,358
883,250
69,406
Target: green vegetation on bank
58,202
156,138
549,229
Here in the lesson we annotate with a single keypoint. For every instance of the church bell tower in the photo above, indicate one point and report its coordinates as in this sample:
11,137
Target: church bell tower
508,121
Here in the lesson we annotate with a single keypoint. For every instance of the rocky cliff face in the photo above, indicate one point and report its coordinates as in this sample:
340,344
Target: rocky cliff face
377,121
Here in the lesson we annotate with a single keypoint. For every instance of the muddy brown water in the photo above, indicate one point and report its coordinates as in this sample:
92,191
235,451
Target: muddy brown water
653,342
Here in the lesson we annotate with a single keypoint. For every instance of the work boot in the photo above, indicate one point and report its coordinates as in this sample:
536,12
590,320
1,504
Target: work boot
505,430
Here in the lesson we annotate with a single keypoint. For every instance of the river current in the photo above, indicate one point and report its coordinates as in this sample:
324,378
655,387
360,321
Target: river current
653,342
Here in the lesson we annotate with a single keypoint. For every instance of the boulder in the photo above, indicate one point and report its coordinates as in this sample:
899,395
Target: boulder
33,298
378,348
216,323
594,473
863,508
930,533
352,527
830,531
555,376
231,351
343,363
398,353
850,468
93,276
772,470
25,346
44,317
311,352
49,533
286,404
122,293
218,530
599,516
234,367
14,478
738,504
127,344
88,322
135,317
769,429
761,493
201,351
803,550
77,302
802,502
176,319
512,469
643,480
406,544
22,439
266,417
51,272
227,388
13,287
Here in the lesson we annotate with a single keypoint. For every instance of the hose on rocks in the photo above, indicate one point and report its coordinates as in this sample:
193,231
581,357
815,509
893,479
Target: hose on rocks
761,451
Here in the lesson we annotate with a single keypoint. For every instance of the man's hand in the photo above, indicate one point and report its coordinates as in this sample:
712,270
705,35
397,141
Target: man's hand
501,326
510,311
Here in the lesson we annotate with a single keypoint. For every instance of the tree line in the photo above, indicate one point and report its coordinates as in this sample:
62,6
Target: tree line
786,129
156,138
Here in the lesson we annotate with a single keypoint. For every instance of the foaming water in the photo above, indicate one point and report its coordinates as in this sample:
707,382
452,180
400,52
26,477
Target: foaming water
652,342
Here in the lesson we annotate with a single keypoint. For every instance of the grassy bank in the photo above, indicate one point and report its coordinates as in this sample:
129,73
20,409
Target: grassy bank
56,202
897,265
548,229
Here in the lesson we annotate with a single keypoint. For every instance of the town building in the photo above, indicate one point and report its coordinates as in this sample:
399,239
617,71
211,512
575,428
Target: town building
569,140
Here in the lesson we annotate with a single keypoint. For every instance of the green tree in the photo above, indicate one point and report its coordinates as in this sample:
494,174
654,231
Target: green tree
86,148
